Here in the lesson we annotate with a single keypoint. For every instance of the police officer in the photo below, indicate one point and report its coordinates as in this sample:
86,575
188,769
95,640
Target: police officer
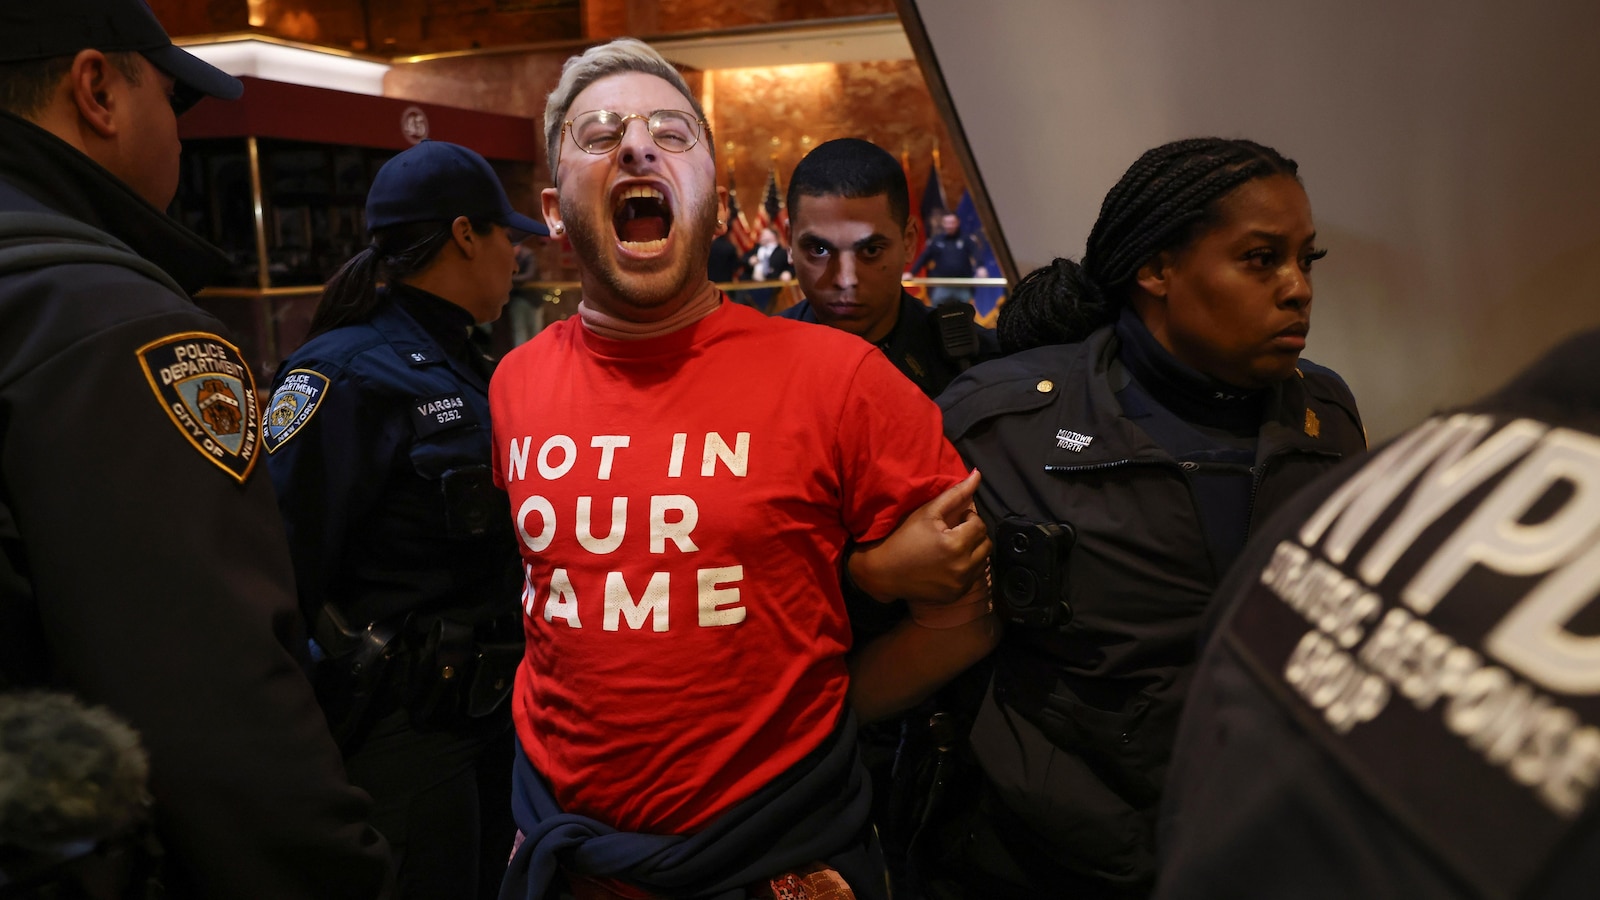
850,216
378,435
1156,409
950,254
1400,699
142,560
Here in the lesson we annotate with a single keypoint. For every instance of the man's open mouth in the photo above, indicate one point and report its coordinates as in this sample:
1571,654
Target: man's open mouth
642,218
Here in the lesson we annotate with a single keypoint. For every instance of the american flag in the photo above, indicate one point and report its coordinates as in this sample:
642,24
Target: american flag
917,226
985,300
738,229
774,214
933,204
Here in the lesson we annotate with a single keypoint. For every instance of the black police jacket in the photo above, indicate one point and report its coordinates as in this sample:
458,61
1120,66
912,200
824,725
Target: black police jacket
142,559
378,441
1076,734
1400,700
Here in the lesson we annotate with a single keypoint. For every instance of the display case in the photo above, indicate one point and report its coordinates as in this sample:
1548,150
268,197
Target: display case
278,180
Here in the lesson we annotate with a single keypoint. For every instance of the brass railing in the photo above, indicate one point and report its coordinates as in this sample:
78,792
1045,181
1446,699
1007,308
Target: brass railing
554,290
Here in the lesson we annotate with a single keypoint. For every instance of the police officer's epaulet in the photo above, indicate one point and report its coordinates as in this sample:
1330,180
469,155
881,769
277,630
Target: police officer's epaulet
1326,385
1017,383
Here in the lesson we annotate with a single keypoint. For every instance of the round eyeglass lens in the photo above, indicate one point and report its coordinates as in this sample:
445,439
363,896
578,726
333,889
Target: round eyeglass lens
674,130
598,131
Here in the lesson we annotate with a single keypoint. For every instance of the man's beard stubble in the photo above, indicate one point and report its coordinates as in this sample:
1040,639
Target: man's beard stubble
694,227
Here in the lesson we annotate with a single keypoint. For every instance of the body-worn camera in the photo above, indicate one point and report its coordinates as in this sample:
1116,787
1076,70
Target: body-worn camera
1030,572
471,502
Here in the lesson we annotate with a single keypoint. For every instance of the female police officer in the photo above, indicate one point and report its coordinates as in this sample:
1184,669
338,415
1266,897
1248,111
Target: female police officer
378,434
1161,410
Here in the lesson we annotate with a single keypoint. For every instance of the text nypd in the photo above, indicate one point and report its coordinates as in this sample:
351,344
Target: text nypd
1539,523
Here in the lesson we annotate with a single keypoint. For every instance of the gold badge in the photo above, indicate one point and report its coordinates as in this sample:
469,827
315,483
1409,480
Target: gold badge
1313,424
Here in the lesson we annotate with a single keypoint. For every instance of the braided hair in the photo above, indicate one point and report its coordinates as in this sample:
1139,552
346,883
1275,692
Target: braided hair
1164,201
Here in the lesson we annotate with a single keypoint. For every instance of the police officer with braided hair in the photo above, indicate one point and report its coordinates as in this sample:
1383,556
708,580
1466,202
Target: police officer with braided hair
378,434
1154,408
1399,696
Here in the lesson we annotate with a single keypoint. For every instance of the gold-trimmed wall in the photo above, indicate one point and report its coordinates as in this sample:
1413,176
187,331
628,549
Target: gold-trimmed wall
414,27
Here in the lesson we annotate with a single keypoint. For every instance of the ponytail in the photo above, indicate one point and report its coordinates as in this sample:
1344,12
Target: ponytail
1055,304
350,295
396,253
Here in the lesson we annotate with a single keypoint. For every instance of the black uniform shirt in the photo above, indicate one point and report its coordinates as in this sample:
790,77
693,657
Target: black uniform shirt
913,344
378,434
953,256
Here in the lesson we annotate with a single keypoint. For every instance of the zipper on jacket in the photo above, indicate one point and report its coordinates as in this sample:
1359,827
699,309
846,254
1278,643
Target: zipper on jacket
1114,464
1259,474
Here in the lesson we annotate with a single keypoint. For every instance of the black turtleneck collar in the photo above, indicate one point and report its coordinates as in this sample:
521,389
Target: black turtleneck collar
1191,395
62,178
448,323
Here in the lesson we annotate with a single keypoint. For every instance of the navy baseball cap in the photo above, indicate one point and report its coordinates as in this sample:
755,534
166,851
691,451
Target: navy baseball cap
436,181
43,29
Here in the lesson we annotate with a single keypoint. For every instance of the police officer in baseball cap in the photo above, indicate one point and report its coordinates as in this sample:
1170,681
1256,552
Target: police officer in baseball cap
142,558
378,435
437,181
60,28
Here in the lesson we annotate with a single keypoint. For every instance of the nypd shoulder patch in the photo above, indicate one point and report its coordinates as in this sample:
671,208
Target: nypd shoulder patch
292,406
210,394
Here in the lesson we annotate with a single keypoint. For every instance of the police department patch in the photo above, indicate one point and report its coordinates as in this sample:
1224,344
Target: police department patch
292,404
210,394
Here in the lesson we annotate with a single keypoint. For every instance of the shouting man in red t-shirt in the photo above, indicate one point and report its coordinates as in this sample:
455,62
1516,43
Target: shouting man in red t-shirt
685,476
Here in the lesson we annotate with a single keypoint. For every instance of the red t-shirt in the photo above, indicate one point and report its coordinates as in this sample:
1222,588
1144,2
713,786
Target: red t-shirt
682,504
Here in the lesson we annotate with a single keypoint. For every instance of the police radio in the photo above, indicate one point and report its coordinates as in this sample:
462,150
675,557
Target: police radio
1030,572
957,332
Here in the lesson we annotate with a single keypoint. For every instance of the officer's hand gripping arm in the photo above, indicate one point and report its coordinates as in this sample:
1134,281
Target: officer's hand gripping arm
934,557
937,560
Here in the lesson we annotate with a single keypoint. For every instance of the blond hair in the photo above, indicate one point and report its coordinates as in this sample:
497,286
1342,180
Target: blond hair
619,56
